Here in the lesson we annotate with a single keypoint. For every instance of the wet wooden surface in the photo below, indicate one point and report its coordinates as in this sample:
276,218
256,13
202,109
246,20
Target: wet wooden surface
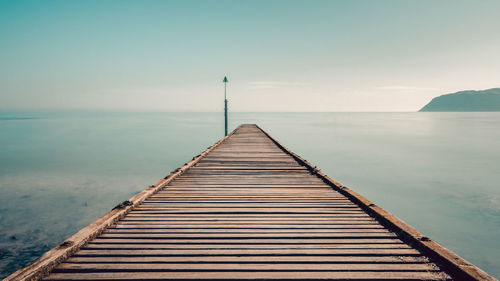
247,210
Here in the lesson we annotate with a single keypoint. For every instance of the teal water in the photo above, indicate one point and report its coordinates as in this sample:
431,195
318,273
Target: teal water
438,172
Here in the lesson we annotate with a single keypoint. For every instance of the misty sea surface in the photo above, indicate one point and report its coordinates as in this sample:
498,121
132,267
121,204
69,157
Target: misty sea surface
438,172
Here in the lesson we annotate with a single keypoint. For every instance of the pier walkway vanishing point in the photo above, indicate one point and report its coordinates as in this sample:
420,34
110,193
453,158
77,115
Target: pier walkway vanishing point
248,208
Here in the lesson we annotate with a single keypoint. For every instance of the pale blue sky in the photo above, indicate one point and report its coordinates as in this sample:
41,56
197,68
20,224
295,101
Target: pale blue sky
278,55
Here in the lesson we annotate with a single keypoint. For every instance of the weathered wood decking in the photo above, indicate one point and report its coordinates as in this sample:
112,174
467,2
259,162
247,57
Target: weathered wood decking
247,208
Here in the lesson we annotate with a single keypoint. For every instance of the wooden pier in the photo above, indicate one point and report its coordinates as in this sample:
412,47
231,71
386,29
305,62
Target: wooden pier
248,208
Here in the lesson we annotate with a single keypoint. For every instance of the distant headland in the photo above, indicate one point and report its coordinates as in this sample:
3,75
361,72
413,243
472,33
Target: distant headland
485,100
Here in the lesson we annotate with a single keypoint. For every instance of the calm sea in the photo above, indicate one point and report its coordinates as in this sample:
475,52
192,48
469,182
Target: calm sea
439,172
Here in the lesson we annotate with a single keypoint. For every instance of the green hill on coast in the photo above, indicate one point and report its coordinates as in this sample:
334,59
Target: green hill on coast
486,100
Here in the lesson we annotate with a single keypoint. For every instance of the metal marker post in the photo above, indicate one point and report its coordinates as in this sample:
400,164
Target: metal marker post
225,106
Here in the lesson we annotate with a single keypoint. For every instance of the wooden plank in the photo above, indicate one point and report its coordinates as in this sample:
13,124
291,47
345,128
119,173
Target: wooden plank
254,259
338,219
201,204
251,275
107,245
240,252
246,226
297,241
286,235
243,230
110,267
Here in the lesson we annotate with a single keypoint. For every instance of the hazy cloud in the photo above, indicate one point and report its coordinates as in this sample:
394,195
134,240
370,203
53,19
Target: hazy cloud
274,84
405,88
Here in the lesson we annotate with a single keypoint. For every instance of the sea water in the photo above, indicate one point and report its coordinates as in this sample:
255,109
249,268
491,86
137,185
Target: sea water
439,172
